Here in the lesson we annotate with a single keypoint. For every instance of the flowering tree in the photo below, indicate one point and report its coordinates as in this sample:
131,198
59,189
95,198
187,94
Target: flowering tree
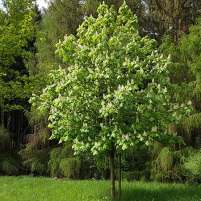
114,93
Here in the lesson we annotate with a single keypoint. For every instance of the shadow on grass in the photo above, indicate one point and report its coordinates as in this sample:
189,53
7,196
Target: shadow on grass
143,191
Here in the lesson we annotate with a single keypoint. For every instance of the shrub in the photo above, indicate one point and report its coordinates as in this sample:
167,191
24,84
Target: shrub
70,168
166,165
9,167
53,164
191,168
36,154
38,162
62,163
6,144
10,161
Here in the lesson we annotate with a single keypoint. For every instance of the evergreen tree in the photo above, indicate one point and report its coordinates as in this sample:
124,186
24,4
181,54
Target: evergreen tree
185,73
59,19
173,17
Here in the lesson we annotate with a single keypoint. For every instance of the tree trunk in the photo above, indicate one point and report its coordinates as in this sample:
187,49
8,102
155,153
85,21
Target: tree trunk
112,173
119,193
8,121
2,117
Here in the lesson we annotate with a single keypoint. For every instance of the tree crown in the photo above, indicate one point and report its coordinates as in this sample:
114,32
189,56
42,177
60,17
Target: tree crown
114,92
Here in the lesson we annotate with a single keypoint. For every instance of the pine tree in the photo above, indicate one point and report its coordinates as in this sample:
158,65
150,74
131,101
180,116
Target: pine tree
185,73
174,17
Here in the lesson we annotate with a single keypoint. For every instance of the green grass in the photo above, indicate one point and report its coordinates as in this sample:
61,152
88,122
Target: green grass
34,189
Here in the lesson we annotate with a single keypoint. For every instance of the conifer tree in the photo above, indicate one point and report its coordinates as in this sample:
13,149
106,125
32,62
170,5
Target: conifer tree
174,17
59,19
185,73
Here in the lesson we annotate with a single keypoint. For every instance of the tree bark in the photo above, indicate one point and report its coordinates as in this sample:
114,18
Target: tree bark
8,117
112,173
2,117
119,193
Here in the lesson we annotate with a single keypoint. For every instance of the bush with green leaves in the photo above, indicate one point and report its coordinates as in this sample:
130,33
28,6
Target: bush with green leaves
191,168
36,153
37,162
6,144
168,163
70,167
63,164
162,166
10,161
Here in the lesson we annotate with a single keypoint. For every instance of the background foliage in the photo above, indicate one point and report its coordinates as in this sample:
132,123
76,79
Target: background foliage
27,53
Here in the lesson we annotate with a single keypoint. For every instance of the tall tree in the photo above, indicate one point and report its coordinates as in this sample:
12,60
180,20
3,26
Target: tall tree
17,29
60,18
185,73
174,17
64,17
114,93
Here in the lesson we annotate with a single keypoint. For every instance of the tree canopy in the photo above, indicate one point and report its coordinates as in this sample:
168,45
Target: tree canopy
114,91
16,29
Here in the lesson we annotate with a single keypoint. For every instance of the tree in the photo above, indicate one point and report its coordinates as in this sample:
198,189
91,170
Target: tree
18,22
139,7
114,93
17,29
185,74
65,16
173,17
61,17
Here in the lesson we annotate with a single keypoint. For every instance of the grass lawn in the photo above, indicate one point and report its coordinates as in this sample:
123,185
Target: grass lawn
26,188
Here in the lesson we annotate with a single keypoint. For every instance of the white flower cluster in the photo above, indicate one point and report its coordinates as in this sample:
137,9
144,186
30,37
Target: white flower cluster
154,129
84,124
145,134
121,87
125,136
103,138
90,70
